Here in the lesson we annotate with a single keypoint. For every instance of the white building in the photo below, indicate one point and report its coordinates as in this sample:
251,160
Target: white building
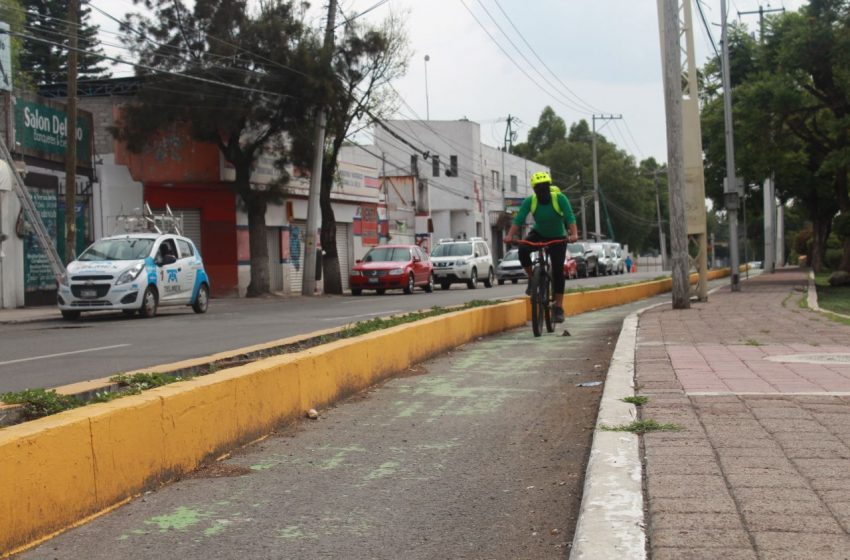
469,185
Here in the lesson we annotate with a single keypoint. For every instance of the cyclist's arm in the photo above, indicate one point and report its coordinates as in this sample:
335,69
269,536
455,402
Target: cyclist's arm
569,219
519,219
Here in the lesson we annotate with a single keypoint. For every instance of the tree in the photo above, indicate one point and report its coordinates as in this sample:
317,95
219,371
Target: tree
48,63
12,13
550,130
239,78
364,63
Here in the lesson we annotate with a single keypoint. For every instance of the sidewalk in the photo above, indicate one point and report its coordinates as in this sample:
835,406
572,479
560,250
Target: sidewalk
27,314
761,387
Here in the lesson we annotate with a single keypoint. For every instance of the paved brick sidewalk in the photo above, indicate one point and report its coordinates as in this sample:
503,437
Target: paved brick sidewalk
761,469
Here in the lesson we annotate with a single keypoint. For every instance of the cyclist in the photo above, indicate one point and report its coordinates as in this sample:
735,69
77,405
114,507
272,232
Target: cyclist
553,218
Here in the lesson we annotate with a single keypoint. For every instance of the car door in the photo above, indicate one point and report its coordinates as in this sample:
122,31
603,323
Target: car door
168,273
420,267
187,271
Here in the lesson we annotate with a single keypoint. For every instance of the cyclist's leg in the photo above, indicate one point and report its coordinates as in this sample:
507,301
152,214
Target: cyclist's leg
525,252
557,254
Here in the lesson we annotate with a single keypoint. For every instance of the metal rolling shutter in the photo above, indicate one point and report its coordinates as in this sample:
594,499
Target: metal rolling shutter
192,225
275,268
343,247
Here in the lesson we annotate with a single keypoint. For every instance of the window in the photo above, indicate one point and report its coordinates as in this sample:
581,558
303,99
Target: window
513,183
453,165
435,166
185,249
414,165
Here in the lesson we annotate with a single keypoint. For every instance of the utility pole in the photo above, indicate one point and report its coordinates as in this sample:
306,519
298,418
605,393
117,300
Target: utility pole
597,224
308,283
71,139
661,237
731,192
770,209
670,52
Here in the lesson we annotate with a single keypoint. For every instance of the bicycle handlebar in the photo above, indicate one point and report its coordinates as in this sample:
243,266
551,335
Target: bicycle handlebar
537,243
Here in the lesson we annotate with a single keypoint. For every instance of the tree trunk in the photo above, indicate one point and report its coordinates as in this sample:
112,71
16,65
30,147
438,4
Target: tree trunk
255,206
330,259
844,206
820,233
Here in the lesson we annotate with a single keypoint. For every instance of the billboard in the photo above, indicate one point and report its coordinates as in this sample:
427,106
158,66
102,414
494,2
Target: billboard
41,130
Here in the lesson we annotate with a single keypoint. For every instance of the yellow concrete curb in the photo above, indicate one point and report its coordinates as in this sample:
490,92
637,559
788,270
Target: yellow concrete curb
60,469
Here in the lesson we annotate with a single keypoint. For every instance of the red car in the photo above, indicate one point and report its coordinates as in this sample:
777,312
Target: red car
392,267
570,267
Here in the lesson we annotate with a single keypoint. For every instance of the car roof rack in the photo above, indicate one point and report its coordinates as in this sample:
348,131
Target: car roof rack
148,221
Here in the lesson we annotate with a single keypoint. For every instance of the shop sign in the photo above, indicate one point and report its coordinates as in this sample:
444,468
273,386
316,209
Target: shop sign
41,130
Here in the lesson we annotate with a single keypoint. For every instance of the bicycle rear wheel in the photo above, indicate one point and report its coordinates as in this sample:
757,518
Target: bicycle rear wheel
546,298
537,302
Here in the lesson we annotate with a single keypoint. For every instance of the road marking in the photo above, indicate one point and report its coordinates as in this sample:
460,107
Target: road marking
387,312
46,356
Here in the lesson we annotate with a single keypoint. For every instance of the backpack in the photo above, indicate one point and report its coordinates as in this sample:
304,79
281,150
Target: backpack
554,192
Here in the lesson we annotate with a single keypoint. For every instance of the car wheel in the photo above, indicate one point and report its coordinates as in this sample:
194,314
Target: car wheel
356,291
411,283
429,287
501,282
514,281
445,285
202,301
472,283
488,283
149,303
70,315
380,291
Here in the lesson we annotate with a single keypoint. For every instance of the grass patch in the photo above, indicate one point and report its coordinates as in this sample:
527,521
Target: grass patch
832,298
751,342
803,302
37,403
641,427
637,400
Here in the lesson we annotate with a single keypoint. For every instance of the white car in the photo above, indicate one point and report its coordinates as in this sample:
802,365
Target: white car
135,272
463,260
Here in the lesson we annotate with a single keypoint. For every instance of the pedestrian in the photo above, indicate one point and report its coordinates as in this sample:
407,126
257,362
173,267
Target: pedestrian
628,263
553,217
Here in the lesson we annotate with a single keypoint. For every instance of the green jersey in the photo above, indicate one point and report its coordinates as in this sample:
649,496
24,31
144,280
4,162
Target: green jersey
547,221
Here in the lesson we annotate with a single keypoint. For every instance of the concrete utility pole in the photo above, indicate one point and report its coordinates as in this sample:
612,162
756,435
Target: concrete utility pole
731,187
597,224
670,51
71,139
308,281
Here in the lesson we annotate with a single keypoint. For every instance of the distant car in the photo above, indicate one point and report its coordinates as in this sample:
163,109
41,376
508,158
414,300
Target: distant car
603,262
570,266
509,268
136,273
614,252
586,259
463,260
392,267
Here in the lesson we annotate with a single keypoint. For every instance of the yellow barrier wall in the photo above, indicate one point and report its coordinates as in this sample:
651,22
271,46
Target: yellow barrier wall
58,470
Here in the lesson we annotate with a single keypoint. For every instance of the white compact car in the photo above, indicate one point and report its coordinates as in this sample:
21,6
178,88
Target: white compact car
463,260
136,272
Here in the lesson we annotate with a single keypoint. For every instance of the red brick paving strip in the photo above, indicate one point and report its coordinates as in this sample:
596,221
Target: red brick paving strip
761,469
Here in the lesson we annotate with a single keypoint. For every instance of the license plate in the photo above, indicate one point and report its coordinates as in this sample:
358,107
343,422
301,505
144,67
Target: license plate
373,280
88,293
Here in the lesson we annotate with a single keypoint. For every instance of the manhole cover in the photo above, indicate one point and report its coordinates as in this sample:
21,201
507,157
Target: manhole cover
841,358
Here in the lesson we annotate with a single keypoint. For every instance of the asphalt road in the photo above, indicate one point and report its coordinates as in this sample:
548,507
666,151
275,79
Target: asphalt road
477,454
54,352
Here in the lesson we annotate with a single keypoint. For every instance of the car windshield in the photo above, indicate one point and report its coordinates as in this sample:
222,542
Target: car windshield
575,248
388,254
127,249
512,255
453,250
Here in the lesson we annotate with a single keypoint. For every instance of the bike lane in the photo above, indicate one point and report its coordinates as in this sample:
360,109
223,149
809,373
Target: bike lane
478,453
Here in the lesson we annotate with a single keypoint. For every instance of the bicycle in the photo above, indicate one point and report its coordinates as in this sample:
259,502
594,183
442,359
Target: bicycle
540,286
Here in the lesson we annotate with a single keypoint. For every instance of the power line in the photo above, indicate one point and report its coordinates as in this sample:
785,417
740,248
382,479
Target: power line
707,27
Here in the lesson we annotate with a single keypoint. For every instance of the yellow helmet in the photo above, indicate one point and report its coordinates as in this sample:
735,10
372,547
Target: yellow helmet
540,177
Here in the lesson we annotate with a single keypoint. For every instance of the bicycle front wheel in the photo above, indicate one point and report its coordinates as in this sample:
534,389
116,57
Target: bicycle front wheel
546,297
537,301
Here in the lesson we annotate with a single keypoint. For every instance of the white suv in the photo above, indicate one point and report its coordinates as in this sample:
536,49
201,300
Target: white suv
463,260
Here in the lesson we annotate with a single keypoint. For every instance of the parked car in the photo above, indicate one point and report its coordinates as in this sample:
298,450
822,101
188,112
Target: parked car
586,259
614,251
603,263
509,268
463,260
392,267
135,273
570,266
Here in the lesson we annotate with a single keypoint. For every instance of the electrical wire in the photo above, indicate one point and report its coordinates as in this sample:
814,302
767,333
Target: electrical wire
363,13
706,26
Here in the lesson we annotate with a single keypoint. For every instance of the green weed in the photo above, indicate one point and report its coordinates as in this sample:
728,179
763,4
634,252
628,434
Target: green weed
37,403
640,427
637,400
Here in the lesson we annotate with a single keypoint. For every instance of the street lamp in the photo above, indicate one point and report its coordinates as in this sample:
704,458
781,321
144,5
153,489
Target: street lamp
427,108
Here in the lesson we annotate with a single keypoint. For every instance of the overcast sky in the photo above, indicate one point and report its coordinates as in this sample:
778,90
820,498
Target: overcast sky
603,55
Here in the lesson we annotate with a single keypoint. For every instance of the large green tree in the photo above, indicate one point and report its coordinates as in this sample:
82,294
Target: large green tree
45,52
364,62
237,76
